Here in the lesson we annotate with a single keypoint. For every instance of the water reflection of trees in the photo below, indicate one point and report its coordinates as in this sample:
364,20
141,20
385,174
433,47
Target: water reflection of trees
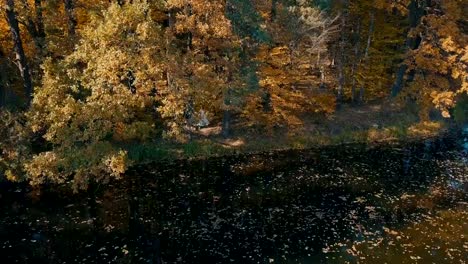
293,206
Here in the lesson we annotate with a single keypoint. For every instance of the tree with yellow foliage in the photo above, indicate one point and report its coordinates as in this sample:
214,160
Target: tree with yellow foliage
99,99
206,55
112,76
288,65
440,63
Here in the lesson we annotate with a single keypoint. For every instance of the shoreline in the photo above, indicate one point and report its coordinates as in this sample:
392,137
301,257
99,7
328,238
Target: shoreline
447,134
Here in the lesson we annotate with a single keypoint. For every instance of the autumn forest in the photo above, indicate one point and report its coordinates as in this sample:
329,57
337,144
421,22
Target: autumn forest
90,88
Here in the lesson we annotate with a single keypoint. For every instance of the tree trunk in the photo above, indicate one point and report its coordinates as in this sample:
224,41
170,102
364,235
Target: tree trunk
321,69
341,61
266,102
2,91
6,93
35,27
400,75
188,13
371,32
169,39
416,11
273,11
226,128
21,61
357,60
322,85
40,21
71,18
226,124
3,81
366,52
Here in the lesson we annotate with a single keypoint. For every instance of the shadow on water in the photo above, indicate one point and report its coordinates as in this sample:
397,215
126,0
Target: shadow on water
346,204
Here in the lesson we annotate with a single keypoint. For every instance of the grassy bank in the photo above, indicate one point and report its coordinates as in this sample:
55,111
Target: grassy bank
370,125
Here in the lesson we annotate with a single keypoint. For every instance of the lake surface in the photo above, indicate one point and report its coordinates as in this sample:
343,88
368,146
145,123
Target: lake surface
346,204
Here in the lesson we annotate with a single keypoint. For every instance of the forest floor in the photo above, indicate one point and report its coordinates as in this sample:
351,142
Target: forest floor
372,123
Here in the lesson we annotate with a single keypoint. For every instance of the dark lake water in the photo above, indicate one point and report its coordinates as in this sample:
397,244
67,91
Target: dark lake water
404,203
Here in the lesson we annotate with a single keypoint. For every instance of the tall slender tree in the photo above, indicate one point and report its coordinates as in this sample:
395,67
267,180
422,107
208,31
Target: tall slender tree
21,60
415,11
71,17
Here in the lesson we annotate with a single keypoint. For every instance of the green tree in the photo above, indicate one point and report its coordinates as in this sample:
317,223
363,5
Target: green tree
371,33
